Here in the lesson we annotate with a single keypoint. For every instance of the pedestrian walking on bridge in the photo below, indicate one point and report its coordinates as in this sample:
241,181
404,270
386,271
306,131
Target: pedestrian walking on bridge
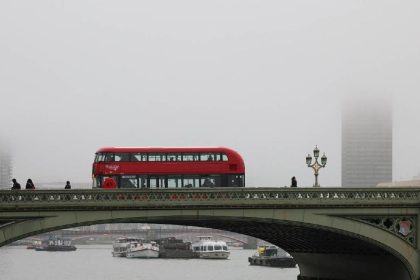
30,185
294,182
16,185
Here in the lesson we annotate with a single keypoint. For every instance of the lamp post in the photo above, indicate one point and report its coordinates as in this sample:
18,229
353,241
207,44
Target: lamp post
316,166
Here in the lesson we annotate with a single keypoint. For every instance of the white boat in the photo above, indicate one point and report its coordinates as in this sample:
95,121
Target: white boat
119,246
208,248
142,249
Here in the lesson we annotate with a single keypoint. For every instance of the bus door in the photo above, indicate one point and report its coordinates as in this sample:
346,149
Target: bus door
157,181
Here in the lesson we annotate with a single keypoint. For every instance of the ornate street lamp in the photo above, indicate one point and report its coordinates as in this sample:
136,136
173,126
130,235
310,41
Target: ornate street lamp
316,166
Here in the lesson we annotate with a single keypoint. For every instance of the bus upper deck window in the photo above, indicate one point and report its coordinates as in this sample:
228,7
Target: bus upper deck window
122,157
173,157
100,157
108,157
157,157
190,157
208,157
139,157
224,157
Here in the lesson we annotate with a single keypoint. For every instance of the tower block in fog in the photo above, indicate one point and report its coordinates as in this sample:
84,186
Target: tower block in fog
5,170
366,143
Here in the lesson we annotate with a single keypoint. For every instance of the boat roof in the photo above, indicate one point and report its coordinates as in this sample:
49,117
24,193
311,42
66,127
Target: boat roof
205,237
125,238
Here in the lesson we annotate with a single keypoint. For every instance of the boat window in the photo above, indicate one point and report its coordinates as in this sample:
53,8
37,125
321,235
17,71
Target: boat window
196,248
203,248
210,247
224,157
225,248
217,247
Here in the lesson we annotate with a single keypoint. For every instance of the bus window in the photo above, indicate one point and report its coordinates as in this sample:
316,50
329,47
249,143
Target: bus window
191,181
121,157
174,181
108,157
139,157
208,181
235,180
190,157
173,157
142,181
99,157
128,181
224,157
157,157
157,182
207,157
97,181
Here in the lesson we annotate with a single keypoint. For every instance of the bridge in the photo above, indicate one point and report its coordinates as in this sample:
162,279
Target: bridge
333,233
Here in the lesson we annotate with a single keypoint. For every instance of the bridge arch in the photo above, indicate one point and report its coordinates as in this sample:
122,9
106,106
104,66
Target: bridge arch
328,246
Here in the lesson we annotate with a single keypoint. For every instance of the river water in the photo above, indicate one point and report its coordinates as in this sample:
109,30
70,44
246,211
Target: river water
94,262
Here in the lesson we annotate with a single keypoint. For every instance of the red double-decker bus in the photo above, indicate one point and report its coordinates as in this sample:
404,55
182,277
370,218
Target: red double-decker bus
167,168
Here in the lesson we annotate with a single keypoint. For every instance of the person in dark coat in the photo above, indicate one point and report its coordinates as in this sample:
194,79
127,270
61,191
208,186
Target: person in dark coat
294,182
16,185
30,185
68,186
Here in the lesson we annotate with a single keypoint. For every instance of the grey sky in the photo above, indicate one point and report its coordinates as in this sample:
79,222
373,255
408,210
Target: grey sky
266,78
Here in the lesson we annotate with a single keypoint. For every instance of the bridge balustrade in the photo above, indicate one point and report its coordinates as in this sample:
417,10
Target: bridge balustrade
256,196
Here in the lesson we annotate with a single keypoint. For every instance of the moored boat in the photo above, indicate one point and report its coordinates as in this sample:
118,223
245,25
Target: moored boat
34,244
56,244
270,255
142,249
172,248
208,248
120,245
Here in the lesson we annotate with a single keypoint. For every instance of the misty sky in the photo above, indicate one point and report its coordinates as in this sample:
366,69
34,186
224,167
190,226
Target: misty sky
266,78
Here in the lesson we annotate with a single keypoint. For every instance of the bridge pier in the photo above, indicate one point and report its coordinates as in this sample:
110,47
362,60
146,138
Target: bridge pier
350,267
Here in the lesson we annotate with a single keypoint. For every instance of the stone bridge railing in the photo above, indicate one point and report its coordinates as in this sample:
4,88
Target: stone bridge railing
210,197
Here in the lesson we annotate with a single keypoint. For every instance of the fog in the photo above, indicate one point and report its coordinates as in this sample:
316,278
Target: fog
266,78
